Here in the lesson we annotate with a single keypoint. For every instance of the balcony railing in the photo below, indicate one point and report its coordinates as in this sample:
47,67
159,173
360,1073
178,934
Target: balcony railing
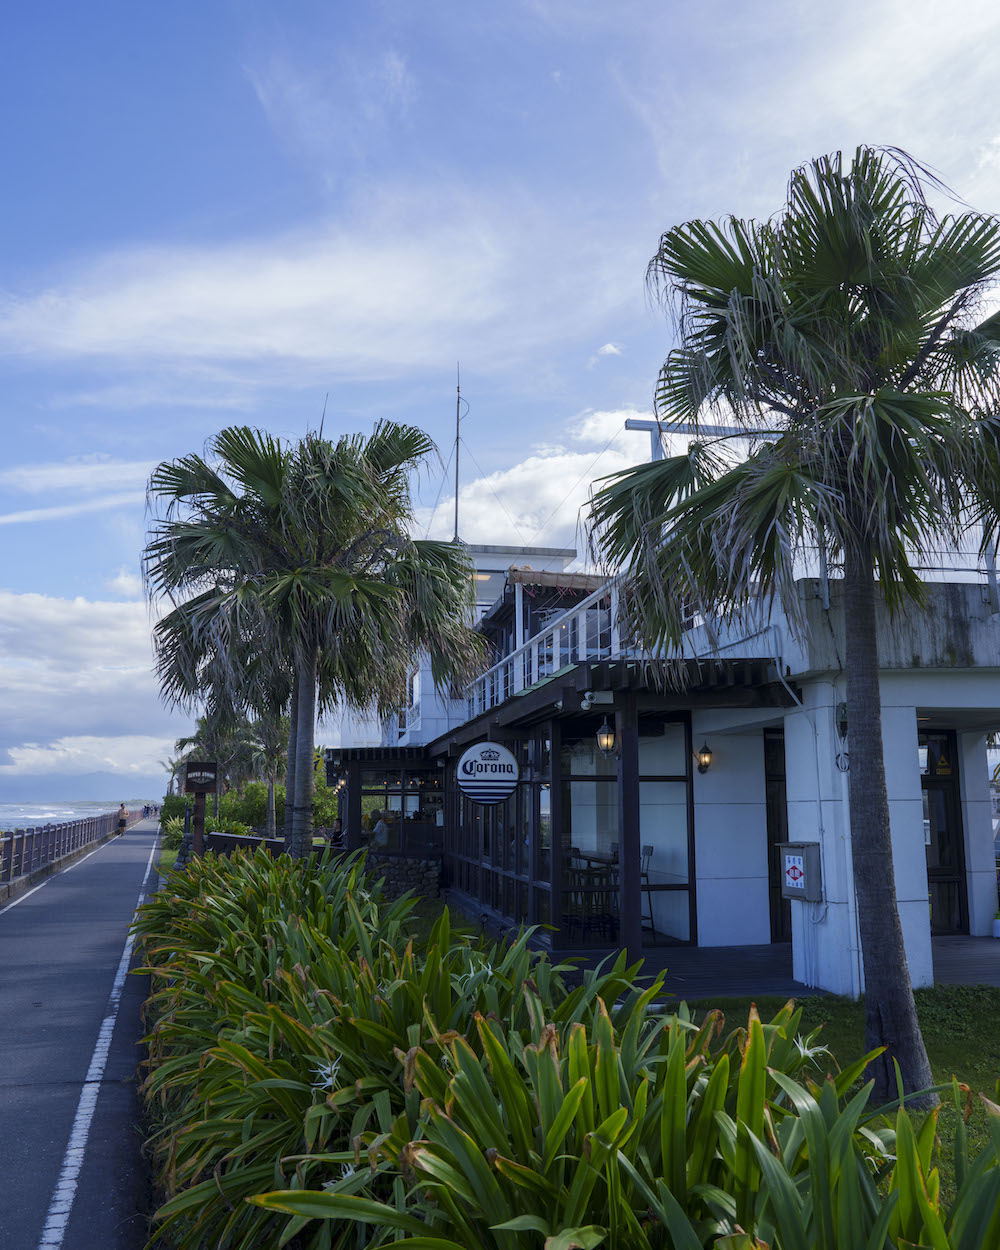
587,631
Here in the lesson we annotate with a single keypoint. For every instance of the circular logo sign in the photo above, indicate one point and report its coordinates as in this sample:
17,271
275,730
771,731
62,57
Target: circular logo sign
487,773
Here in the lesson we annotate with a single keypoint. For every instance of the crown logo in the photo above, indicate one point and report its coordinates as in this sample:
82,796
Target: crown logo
488,753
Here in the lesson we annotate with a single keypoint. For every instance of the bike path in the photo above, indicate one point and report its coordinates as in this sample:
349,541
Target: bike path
61,952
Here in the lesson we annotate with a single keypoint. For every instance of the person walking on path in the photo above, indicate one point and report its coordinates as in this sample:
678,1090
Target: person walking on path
122,819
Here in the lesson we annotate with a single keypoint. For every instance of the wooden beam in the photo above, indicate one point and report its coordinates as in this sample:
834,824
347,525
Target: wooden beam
629,852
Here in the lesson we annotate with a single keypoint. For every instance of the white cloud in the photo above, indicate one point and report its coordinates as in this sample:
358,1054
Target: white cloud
78,507
540,500
125,583
86,473
609,349
77,667
89,753
407,285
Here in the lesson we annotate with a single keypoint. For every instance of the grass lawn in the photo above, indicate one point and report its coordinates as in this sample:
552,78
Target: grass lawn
166,860
960,1028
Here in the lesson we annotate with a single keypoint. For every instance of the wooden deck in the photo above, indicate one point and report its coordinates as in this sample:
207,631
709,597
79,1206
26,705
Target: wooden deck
966,960
739,971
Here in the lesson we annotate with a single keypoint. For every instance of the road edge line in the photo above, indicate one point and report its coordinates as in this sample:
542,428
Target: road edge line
61,1205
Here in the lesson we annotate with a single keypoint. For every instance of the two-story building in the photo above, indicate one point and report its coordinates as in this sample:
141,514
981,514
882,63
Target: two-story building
647,815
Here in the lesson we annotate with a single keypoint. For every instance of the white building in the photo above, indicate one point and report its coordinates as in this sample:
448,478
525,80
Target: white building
638,847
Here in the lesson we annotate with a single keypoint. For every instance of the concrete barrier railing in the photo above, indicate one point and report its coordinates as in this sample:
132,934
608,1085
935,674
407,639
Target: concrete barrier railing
24,851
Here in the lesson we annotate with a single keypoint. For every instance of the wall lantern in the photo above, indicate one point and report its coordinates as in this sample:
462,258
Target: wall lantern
704,758
606,737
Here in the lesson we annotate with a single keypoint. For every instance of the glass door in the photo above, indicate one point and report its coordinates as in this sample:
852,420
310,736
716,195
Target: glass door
944,839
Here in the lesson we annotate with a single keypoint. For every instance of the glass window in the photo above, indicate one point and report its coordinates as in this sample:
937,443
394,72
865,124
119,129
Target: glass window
663,829
544,866
590,822
582,757
665,754
936,755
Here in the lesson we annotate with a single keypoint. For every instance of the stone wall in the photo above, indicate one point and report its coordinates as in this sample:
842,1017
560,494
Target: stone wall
420,874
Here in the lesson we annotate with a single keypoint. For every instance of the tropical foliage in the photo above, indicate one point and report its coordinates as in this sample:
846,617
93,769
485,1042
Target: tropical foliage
843,342
319,1079
295,566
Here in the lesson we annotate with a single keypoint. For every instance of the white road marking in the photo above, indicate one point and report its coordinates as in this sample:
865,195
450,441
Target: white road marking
65,1191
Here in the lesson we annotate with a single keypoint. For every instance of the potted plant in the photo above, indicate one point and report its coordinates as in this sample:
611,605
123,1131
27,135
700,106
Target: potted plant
996,923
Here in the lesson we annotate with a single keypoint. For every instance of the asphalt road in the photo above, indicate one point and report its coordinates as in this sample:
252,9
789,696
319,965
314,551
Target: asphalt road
60,950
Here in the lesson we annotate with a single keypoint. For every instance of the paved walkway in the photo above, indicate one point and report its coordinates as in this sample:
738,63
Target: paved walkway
68,1064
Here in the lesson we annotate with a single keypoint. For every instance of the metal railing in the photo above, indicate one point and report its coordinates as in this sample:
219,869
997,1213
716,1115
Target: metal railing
587,631
24,851
590,631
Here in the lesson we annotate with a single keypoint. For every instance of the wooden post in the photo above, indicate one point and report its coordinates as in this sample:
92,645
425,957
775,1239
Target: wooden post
198,824
559,839
629,853
353,821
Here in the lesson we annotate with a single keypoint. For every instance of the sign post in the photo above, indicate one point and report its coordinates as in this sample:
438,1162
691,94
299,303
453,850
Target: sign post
200,778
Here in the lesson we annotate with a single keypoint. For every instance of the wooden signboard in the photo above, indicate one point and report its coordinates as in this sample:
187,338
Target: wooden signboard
200,777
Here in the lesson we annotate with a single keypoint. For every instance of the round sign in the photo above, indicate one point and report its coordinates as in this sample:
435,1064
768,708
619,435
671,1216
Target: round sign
487,773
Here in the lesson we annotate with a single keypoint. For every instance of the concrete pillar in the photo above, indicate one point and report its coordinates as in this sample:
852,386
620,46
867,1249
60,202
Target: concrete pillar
825,949
906,825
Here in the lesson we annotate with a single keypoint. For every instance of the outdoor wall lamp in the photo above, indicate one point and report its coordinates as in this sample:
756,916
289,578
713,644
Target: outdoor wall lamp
704,758
606,738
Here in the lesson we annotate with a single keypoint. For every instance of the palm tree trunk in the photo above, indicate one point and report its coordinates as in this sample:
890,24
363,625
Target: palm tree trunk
272,823
293,729
302,811
890,1012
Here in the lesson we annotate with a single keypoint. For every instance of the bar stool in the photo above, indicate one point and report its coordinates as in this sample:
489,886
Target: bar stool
644,884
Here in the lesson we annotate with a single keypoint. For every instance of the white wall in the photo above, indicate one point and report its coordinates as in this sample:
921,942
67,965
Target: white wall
731,835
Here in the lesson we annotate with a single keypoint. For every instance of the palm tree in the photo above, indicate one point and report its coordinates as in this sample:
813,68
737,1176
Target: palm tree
305,553
842,340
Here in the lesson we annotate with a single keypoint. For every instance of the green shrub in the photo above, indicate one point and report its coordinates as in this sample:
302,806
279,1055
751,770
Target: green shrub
175,805
285,994
637,1133
318,1081
223,824
173,833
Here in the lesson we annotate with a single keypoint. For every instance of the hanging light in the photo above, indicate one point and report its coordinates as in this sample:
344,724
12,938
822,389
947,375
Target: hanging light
704,758
606,738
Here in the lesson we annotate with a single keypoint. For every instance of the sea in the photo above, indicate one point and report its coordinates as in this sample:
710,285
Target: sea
31,815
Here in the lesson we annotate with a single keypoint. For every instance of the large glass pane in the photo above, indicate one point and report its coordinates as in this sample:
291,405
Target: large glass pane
590,821
544,864
581,757
936,754
521,864
663,831
590,904
942,839
665,915
663,754
946,907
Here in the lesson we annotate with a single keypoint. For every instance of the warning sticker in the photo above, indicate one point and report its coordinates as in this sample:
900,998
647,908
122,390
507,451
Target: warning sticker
795,877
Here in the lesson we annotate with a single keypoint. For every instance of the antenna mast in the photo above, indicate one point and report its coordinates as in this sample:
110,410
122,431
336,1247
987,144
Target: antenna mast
458,423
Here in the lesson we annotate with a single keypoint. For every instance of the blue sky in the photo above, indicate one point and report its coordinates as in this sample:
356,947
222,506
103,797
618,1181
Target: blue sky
230,212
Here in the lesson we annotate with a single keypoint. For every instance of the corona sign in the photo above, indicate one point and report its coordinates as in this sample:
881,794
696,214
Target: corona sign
487,773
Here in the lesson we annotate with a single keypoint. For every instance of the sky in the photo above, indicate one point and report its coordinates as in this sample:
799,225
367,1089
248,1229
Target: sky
248,212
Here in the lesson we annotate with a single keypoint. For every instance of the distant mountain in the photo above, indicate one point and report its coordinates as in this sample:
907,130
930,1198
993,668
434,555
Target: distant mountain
45,787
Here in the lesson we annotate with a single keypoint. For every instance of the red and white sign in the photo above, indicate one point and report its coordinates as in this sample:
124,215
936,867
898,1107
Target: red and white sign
795,875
